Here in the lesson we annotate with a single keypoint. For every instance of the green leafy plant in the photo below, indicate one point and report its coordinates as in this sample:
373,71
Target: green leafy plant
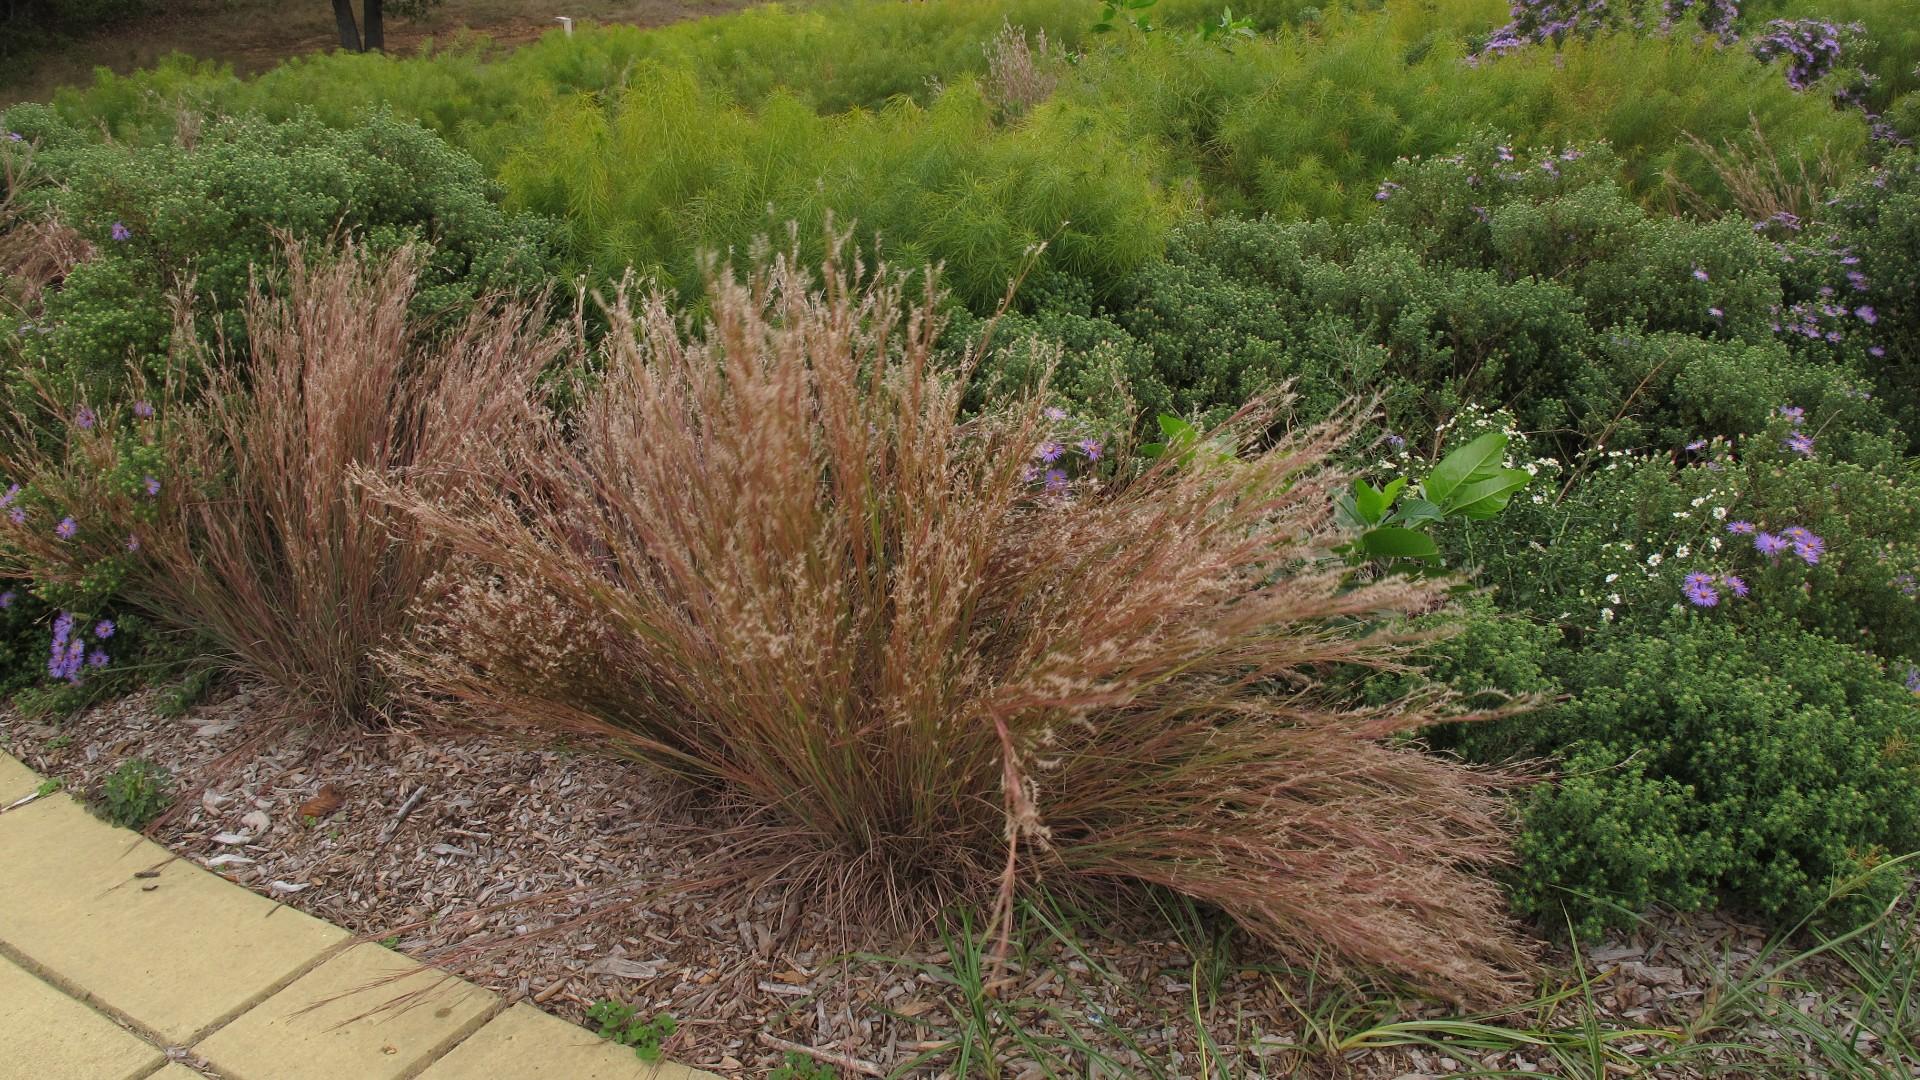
134,793
1469,483
618,1024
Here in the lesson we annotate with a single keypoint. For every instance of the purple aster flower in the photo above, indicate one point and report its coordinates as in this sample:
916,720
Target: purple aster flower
1396,441
1913,679
1801,444
1700,275
1504,153
1699,590
66,529
143,410
1734,583
133,542
83,418
1048,452
1056,480
6,599
1810,548
1740,528
153,485
1866,314
121,232
1054,413
14,136
1770,545
1697,445
1794,413
1876,351
97,658
103,629
17,515
1386,191
1090,448
1716,313
13,492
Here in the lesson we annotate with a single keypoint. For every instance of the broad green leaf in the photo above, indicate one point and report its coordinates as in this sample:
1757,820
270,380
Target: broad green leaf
1470,462
1417,512
1369,502
1392,542
1483,499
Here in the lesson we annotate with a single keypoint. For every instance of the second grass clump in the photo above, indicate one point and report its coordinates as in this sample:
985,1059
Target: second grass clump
769,553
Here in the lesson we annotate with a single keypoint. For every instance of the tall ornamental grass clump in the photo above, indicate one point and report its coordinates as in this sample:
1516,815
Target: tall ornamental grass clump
770,555
239,518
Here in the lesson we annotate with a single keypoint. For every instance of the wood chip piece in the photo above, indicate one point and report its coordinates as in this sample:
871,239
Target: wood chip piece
324,802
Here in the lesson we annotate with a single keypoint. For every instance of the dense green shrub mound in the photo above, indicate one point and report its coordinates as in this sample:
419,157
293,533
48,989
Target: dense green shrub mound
1518,279
1761,763
203,214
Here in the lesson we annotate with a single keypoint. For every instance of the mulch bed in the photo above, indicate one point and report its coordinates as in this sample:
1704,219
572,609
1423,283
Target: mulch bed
564,878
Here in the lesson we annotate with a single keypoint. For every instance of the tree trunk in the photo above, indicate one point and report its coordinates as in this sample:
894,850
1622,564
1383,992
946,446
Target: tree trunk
371,16
343,18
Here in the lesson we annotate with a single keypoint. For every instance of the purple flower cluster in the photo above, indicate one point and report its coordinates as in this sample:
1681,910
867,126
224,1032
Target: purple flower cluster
1536,22
1050,472
120,232
69,649
1803,542
1703,589
1812,47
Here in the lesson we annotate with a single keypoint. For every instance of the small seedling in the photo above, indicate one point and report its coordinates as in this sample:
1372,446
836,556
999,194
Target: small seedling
60,742
617,1023
309,820
799,1066
134,793
46,788
391,942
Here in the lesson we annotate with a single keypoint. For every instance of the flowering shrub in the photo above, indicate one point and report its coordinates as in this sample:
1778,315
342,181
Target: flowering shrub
772,557
1856,284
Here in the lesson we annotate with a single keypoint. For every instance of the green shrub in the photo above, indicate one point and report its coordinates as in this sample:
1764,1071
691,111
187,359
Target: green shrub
1857,283
1613,554
134,793
1497,277
1759,764
665,171
657,143
208,217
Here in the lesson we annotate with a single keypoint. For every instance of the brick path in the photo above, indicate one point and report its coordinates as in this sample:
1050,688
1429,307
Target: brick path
113,953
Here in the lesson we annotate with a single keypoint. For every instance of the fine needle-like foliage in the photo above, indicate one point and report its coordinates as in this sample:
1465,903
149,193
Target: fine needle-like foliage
769,554
237,515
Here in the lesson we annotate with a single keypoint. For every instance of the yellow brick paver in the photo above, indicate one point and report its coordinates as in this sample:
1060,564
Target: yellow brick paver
260,991
310,1032
527,1044
176,953
16,780
47,1035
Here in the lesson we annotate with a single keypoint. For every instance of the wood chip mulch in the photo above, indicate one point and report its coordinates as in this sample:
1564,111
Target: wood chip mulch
564,878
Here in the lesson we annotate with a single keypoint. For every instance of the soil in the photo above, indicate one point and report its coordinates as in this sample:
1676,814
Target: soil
253,35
